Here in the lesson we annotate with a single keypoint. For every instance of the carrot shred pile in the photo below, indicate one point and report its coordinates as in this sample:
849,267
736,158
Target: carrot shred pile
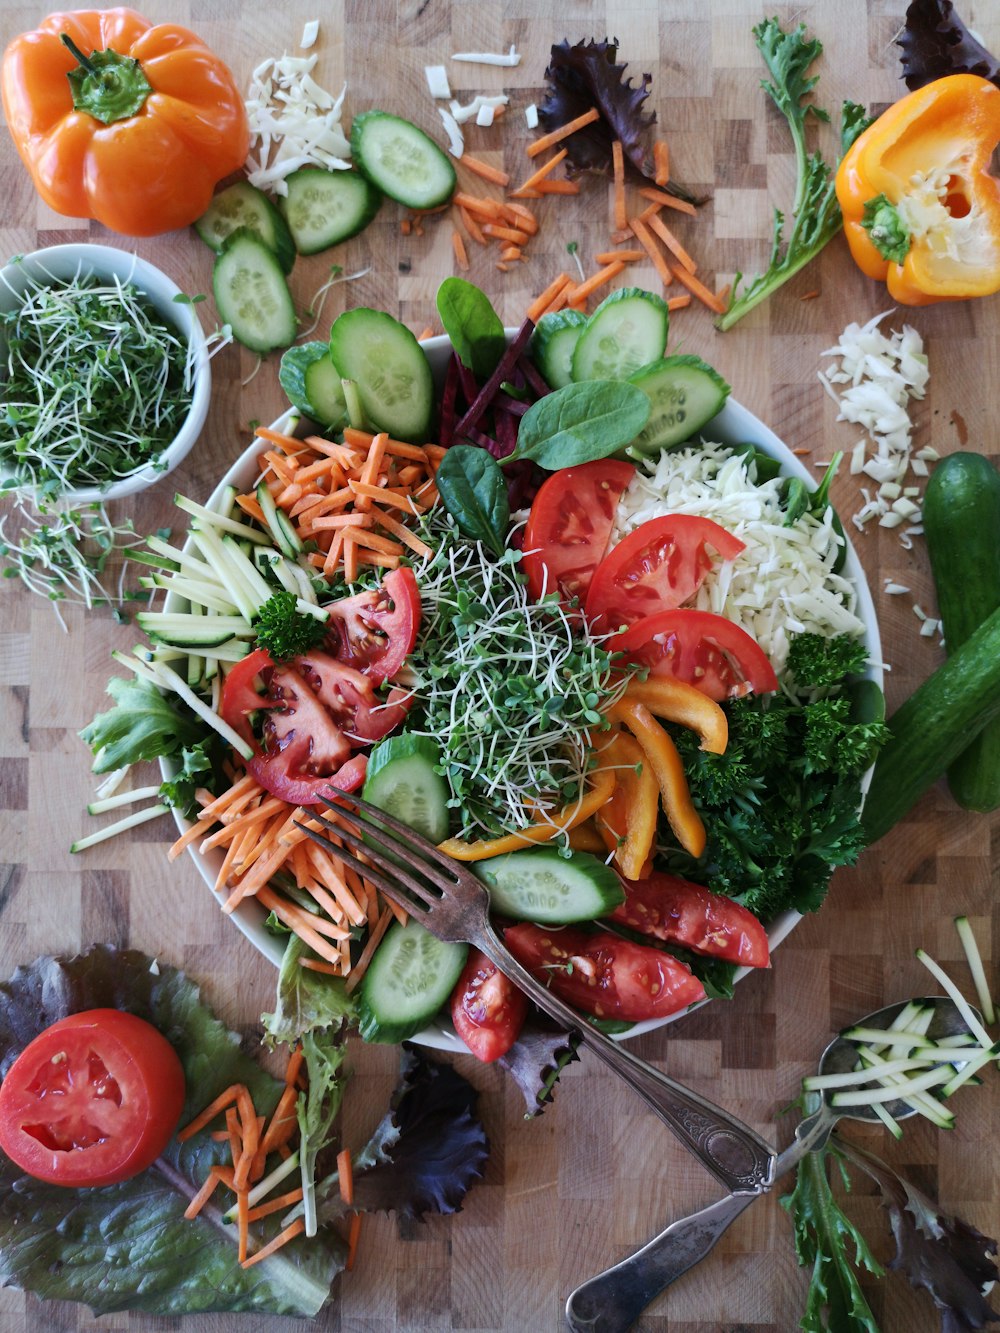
252,1140
338,496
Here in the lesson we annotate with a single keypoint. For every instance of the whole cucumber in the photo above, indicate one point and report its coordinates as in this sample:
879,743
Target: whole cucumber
931,729
962,525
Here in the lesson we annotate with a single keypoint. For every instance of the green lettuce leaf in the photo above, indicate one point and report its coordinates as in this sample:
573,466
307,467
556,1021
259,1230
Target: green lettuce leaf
306,1000
128,1246
144,724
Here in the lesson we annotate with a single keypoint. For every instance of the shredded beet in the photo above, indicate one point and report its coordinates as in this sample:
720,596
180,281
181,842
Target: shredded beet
503,372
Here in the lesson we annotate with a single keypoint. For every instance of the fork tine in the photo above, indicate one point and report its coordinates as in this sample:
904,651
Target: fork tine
386,887
367,814
398,870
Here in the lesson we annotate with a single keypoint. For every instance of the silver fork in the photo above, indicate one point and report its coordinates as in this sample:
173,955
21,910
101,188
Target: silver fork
453,904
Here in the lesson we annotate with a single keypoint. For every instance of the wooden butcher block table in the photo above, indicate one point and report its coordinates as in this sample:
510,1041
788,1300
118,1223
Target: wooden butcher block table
568,1193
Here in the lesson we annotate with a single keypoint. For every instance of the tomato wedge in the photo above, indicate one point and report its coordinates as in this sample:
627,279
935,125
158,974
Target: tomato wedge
374,631
603,975
658,566
570,524
92,1100
669,908
703,649
487,1009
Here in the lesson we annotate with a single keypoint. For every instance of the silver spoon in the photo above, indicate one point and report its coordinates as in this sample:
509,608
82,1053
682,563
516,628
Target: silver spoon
612,1301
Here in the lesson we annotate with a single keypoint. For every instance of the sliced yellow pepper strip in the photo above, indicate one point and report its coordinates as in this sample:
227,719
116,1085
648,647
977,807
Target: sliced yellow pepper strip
666,764
602,785
628,821
677,701
585,837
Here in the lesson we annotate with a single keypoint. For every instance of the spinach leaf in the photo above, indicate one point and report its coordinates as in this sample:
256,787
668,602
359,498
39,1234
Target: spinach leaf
580,423
144,724
474,327
474,492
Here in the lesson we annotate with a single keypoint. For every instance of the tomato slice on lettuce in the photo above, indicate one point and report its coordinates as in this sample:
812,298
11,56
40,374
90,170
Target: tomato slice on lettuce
487,1009
92,1100
375,631
660,565
703,649
603,975
570,524
677,911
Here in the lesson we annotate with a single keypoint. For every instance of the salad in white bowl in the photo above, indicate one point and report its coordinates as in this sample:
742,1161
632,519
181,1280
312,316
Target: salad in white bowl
602,639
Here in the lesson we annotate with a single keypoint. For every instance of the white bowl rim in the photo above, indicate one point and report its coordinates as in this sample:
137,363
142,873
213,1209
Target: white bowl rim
735,424
161,290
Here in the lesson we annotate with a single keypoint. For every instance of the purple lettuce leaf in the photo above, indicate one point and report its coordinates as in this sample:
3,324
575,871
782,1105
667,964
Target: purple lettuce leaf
935,43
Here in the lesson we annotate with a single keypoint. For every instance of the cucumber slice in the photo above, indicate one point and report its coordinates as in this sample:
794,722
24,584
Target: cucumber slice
192,630
628,330
409,979
539,885
684,393
243,205
403,161
392,375
323,208
553,344
401,780
251,294
309,378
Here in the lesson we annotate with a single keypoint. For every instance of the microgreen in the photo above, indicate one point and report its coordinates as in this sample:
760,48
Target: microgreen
97,385
504,684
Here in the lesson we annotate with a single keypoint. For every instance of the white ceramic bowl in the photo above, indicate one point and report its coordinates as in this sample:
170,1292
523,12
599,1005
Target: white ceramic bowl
63,262
733,425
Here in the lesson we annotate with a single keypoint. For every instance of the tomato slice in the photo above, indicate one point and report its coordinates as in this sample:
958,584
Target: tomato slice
570,524
318,711
487,1009
92,1100
669,908
603,975
660,565
375,631
703,649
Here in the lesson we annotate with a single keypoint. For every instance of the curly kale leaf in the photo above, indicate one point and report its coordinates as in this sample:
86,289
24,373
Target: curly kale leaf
935,43
586,76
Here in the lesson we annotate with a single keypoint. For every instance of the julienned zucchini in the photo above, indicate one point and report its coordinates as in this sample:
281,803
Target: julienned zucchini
932,728
961,514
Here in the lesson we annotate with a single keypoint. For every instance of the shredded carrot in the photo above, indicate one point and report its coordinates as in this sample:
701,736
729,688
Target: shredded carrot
296,1228
543,171
809,296
371,944
541,303
697,288
225,1099
672,243
523,218
489,209
661,162
483,169
556,187
512,234
602,276
472,226
215,1177
288,442
512,252
556,136
424,334
353,1236
613,256
275,1205
679,302
294,1066
668,200
645,239
345,1176
461,254
618,161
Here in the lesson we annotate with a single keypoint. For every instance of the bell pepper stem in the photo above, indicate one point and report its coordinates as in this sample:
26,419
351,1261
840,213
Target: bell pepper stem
77,54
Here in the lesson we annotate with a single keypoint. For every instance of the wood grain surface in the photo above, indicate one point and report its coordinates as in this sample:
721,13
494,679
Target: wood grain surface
579,1188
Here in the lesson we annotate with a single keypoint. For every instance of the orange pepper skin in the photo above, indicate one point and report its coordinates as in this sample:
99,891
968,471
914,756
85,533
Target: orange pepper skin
627,822
953,125
146,173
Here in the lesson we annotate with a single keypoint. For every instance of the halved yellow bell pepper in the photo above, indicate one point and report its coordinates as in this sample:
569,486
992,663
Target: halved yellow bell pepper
921,210
666,764
675,700
627,822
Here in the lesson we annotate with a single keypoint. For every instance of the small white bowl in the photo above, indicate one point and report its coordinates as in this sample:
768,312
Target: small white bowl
63,262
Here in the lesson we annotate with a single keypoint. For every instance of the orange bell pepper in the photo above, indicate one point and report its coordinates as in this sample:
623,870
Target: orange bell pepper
675,700
666,764
921,210
627,822
544,830
123,121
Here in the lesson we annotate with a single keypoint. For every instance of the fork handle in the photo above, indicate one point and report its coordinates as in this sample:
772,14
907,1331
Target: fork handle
734,1153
